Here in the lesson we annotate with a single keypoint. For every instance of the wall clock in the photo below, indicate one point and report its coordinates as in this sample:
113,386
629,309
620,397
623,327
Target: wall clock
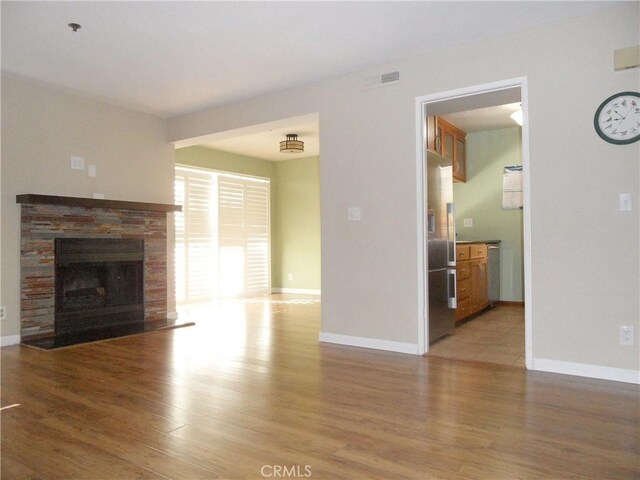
617,119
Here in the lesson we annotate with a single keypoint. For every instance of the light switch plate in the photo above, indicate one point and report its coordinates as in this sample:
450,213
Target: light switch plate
467,222
91,170
626,335
625,202
355,214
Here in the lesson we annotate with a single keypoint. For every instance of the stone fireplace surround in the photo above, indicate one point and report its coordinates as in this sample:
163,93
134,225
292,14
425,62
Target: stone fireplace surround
45,218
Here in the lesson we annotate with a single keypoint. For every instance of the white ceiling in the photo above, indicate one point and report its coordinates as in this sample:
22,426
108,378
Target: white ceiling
263,141
487,118
476,113
171,58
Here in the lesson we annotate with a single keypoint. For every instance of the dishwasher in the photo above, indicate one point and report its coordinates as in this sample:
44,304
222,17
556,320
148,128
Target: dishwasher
493,273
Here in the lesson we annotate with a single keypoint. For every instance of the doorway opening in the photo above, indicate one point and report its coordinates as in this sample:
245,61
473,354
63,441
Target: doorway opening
289,257
471,131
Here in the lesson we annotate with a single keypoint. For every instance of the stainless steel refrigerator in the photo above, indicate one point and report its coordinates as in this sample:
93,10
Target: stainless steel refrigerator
441,246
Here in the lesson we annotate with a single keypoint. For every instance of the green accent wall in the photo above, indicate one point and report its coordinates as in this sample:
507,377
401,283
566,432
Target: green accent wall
296,239
295,210
480,199
224,162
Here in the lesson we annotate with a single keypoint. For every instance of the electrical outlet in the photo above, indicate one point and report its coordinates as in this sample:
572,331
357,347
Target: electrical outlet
355,214
291,276
626,335
77,163
3,312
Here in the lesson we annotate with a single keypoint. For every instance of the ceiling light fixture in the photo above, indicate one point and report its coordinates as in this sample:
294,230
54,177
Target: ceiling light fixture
517,116
291,144
75,26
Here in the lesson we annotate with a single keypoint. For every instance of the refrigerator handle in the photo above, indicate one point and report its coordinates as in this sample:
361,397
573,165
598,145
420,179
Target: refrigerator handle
451,235
452,300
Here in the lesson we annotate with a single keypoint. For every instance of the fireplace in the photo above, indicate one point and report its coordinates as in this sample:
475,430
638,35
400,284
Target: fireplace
90,265
98,284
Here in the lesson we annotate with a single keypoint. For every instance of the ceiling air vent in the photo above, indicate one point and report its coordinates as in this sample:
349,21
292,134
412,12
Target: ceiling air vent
383,80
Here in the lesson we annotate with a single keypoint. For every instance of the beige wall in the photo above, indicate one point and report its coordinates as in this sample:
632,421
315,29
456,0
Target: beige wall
41,129
585,252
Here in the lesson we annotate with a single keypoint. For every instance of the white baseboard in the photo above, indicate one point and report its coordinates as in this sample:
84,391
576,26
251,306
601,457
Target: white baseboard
375,343
301,291
586,370
9,340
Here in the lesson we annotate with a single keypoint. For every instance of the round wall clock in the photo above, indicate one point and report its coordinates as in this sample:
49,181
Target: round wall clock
617,119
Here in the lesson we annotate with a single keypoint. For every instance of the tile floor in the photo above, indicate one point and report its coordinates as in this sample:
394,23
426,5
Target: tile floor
496,336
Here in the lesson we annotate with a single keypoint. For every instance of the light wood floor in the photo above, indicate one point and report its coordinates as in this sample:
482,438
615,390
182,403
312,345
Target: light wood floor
249,393
495,336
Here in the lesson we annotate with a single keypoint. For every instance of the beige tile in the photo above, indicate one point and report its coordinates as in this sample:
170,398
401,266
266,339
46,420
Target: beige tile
497,336
516,350
501,358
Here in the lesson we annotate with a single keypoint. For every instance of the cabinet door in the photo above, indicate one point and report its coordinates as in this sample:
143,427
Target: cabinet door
464,308
463,289
460,160
448,142
479,295
431,134
462,253
477,250
462,270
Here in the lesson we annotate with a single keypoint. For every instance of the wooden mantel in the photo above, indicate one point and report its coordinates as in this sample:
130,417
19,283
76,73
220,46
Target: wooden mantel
35,199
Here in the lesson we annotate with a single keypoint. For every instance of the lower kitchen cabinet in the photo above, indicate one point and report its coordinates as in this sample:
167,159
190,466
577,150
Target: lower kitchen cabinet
479,297
472,280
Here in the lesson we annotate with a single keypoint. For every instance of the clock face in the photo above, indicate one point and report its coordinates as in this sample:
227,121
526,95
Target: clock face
617,120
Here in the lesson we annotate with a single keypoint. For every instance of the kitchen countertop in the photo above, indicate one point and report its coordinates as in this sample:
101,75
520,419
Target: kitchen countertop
466,242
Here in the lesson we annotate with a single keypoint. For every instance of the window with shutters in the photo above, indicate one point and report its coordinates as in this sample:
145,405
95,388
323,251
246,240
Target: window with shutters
222,235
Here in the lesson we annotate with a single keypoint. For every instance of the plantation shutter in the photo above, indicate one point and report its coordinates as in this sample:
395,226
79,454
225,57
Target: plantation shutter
257,238
243,215
222,236
195,236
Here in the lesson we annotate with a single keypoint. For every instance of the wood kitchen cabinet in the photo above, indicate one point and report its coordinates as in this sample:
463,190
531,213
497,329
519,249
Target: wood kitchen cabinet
450,142
471,279
479,298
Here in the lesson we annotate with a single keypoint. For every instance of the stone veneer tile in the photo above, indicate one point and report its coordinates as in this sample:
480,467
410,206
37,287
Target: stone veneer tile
41,224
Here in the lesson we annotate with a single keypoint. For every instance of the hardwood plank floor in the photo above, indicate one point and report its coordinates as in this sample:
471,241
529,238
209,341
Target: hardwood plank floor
250,393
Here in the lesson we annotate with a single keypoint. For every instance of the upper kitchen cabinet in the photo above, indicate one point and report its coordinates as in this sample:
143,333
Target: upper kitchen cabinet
450,142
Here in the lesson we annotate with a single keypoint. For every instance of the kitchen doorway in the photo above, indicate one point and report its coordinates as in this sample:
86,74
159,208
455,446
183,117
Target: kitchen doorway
446,104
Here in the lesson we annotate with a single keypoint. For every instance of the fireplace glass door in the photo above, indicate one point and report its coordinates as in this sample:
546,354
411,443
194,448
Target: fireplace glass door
99,283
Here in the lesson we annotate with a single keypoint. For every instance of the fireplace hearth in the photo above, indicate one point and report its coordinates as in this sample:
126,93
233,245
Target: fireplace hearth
98,284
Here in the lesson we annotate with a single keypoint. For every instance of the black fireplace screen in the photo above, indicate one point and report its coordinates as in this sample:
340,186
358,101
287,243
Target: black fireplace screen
99,283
